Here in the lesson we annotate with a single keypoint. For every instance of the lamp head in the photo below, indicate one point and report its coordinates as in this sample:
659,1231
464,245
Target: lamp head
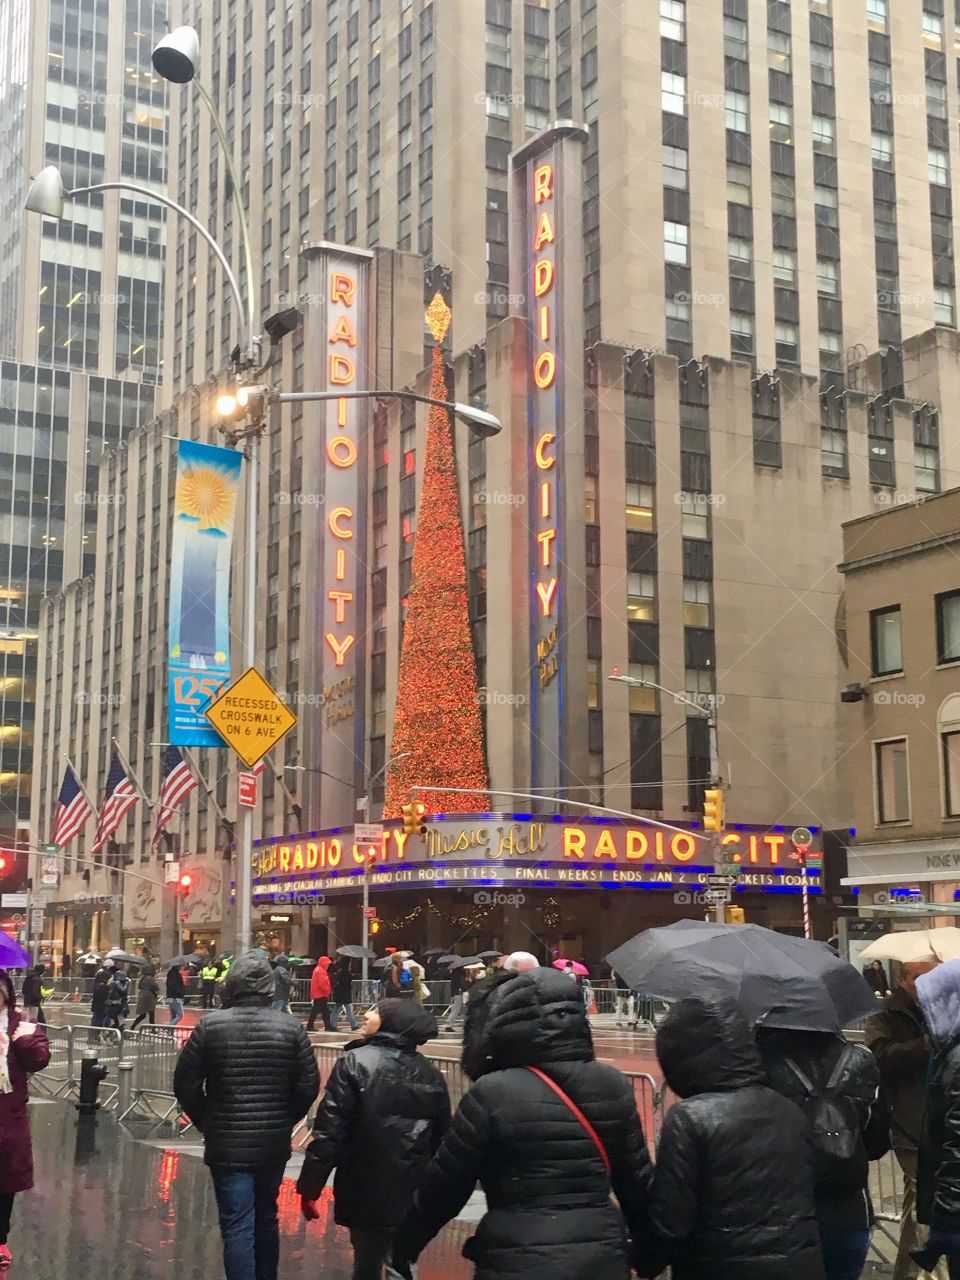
479,421
177,57
46,193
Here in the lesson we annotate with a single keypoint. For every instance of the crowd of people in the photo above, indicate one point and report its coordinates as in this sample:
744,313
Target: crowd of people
762,1170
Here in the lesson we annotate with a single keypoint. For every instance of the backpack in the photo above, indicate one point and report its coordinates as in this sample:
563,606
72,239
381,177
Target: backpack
841,1165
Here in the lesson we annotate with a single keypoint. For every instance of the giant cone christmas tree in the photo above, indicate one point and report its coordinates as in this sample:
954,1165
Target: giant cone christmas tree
437,718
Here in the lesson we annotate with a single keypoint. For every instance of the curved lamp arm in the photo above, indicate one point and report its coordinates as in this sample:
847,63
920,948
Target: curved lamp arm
150,194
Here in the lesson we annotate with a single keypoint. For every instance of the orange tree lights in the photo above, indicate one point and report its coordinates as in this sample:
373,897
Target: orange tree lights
437,719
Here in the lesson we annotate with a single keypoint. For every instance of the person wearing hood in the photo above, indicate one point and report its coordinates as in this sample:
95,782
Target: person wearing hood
897,1037
245,1077
24,1049
724,1145
282,983
938,1164
383,1114
837,1086
321,989
101,990
548,1131
148,995
341,977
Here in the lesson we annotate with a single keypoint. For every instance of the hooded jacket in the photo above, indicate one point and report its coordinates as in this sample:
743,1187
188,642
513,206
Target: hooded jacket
247,1073
733,1192
897,1038
818,1054
549,1211
383,1114
938,1163
24,1056
320,988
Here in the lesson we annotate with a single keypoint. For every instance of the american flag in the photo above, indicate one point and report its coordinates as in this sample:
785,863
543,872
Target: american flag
178,782
73,810
119,796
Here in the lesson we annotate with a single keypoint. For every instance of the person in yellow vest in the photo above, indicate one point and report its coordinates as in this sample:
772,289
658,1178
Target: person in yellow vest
208,983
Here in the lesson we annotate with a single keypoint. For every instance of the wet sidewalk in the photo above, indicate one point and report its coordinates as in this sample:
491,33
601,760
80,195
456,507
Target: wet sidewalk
113,1206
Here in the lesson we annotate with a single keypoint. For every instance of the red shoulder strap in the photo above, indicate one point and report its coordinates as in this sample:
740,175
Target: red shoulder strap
572,1106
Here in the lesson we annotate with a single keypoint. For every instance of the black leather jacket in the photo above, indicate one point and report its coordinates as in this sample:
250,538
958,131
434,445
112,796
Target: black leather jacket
733,1192
247,1074
384,1112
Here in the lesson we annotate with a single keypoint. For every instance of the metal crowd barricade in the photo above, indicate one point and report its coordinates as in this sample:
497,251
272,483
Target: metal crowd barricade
153,1054
59,1076
886,1192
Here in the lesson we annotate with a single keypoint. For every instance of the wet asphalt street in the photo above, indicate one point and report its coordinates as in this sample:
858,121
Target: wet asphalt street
110,1206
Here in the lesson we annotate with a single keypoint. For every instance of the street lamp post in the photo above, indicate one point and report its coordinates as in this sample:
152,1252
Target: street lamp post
710,713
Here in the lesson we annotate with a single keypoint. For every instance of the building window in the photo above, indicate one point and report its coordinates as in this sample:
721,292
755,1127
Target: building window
740,254
640,507
926,467
831,355
738,184
823,135
778,51
882,151
675,166
948,626
877,15
886,658
944,307
781,122
932,31
672,19
678,321
938,167
675,239
951,773
735,38
673,92
784,267
893,781
737,111
741,334
641,597
821,64
827,283
694,520
788,343
696,603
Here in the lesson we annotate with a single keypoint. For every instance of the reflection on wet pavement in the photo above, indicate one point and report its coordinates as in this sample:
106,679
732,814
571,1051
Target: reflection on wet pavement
109,1207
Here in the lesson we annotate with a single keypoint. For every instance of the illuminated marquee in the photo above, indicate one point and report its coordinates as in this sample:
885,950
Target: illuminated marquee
515,848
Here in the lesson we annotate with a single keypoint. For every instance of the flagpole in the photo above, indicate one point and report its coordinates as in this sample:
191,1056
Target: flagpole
207,791
130,774
80,784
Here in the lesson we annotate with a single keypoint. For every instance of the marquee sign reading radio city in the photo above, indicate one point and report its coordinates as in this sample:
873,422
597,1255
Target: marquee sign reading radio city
515,849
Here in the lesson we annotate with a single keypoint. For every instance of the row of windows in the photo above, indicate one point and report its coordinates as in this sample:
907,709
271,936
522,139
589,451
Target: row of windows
886,649
891,772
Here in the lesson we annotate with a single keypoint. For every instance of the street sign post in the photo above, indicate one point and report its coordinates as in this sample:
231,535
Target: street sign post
716,897
369,913
247,789
368,833
250,717
722,881
171,872
802,839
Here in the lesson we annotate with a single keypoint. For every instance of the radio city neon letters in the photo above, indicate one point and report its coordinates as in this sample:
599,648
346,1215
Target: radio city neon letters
342,452
544,376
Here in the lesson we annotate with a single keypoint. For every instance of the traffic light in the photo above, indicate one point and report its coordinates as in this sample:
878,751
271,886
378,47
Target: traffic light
184,884
3,864
734,915
713,809
413,818
375,926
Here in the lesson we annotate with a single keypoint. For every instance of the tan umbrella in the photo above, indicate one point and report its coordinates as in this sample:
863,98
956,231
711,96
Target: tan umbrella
912,945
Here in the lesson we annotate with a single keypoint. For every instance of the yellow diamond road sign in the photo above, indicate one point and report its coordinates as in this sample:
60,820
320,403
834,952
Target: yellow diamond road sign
250,717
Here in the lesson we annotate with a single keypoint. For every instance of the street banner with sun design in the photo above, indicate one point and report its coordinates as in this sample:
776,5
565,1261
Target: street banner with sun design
198,655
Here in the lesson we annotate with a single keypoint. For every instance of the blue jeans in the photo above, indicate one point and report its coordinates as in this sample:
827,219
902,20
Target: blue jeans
351,1016
247,1207
176,1010
844,1253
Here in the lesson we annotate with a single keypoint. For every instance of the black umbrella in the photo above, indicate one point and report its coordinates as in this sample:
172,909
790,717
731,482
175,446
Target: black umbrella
179,961
777,980
490,955
354,952
461,962
435,951
448,959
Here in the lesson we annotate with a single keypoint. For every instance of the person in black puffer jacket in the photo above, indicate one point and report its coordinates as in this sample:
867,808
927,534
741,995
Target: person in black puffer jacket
549,1210
723,1147
938,1170
384,1112
245,1077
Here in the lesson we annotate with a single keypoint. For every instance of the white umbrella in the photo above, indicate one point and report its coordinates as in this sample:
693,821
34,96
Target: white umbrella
911,946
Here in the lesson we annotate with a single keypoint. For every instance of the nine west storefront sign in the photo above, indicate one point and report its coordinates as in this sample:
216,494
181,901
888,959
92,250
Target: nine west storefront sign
511,849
